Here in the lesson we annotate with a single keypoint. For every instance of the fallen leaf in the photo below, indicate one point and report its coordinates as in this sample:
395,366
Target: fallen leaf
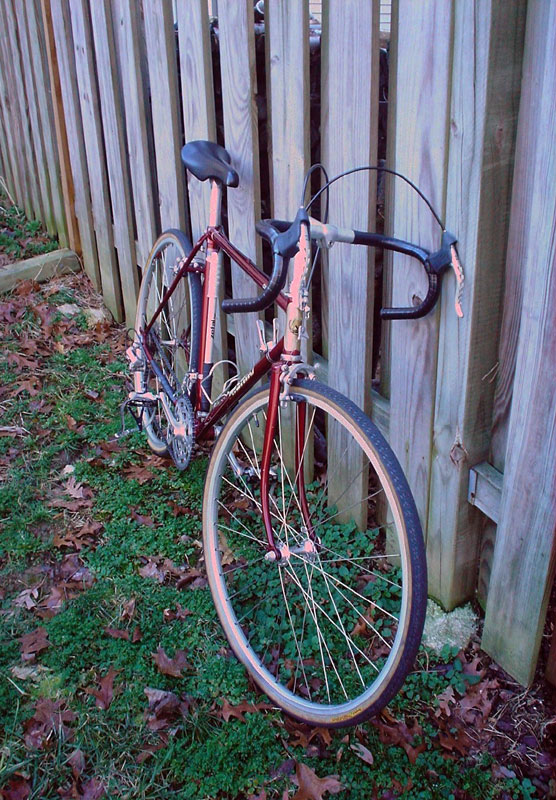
105,694
171,666
32,643
180,613
311,787
227,710
363,753
17,788
142,519
117,633
152,570
49,718
401,735
128,610
77,762
164,707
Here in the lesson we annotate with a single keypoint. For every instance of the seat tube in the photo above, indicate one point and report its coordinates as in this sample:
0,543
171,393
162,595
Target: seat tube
212,286
268,443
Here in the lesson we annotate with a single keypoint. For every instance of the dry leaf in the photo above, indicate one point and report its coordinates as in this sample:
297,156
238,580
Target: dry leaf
105,694
49,718
33,643
171,666
363,753
117,633
311,787
17,788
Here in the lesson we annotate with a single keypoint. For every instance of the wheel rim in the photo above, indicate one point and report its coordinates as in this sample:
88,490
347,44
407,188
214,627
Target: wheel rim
323,631
170,338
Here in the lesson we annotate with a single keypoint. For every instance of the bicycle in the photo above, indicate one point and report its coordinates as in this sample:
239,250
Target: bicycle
312,542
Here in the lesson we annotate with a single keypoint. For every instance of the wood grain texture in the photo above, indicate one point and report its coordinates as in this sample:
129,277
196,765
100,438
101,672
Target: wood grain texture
69,96
137,120
7,154
161,56
25,107
525,550
487,57
34,124
349,125
96,158
40,268
13,113
237,64
43,94
420,83
60,131
116,155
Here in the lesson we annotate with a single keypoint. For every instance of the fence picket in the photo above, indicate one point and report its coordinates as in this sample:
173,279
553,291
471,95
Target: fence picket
422,67
61,27
161,56
36,136
349,126
43,96
94,149
237,63
116,155
525,552
487,52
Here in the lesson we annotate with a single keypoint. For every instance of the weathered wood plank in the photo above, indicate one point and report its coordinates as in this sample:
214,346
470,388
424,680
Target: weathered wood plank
421,95
95,152
116,155
12,116
197,90
349,125
137,121
76,190
23,108
237,64
35,126
6,170
525,554
61,150
161,54
40,268
487,52
485,489
44,94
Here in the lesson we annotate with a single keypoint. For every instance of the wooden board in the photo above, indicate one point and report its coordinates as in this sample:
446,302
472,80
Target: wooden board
44,93
40,268
35,125
6,170
420,84
116,156
22,106
95,152
487,56
161,55
349,125
12,118
69,97
237,65
137,119
525,551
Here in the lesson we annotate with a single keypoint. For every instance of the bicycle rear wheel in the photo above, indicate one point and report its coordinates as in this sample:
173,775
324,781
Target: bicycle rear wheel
174,337
330,630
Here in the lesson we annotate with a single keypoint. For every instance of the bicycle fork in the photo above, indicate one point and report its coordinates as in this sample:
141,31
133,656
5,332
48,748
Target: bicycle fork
275,553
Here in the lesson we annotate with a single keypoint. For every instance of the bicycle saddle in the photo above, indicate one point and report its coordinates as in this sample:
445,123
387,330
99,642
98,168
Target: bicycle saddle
208,160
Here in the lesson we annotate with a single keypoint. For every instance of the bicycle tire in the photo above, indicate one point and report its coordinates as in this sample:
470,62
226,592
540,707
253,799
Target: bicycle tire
169,250
260,602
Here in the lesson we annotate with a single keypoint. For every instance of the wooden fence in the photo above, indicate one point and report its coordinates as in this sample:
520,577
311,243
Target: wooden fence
96,99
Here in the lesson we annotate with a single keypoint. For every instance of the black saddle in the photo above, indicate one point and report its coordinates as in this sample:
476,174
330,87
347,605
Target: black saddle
208,160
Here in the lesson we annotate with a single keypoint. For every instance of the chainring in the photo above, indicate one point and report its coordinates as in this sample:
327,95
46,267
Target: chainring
180,447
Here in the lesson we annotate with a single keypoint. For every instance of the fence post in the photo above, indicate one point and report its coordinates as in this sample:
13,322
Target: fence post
486,71
525,552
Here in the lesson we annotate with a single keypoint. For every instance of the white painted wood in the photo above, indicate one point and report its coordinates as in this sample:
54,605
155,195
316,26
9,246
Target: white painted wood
525,552
161,56
116,155
137,121
61,25
237,64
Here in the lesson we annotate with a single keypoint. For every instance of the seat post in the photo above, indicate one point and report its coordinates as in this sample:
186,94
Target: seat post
215,208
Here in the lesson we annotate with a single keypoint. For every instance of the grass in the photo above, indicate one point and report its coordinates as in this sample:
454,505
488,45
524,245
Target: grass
19,237
63,474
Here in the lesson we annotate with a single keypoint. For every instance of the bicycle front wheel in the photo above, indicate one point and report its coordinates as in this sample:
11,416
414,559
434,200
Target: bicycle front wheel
330,630
174,337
